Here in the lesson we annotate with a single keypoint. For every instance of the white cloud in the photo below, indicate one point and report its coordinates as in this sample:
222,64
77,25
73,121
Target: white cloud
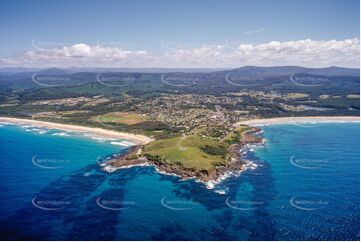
254,31
301,52
306,52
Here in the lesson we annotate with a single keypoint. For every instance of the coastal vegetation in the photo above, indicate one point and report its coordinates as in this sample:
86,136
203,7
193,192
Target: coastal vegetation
121,118
193,151
191,117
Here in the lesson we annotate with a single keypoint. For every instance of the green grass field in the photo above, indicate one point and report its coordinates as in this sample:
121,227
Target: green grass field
121,118
192,151
236,135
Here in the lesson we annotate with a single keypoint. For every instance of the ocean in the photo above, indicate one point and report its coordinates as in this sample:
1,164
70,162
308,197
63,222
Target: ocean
304,185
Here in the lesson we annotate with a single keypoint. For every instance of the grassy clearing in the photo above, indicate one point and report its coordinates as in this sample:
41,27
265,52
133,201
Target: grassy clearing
236,135
325,96
195,152
296,95
121,118
60,114
353,96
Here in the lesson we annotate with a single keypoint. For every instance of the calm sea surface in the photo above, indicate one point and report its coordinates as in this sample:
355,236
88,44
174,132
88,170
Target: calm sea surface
305,187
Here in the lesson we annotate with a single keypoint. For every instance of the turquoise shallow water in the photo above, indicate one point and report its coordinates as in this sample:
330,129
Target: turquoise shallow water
306,187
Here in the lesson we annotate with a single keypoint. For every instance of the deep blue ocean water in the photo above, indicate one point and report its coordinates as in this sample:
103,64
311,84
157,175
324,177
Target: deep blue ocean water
306,187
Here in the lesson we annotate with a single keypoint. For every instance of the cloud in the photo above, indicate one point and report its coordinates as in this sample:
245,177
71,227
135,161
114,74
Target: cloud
254,31
301,52
309,53
75,55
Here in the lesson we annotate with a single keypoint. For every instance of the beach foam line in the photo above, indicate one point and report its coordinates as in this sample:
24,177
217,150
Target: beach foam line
6,123
110,168
122,143
134,138
100,139
61,134
212,184
31,128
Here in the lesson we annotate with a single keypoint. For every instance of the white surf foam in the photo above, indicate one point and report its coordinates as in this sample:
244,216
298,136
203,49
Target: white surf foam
220,191
110,168
122,143
61,134
5,123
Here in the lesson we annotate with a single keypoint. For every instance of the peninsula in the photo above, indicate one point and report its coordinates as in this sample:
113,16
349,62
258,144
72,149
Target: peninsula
193,125
188,156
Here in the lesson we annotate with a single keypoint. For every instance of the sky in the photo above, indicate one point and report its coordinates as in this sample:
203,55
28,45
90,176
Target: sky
179,33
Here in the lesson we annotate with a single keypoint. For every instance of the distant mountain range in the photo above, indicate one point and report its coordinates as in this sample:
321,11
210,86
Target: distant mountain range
288,70
266,71
97,69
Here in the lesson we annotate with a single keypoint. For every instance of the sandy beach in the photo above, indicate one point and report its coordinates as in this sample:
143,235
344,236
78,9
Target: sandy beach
137,139
318,119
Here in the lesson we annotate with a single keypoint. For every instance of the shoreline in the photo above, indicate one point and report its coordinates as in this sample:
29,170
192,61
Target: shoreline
290,120
236,165
235,168
126,160
104,133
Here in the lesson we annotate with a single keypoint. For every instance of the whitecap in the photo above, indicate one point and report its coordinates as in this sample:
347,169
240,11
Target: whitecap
167,173
128,143
122,143
110,168
61,134
210,184
100,139
251,165
220,191
26,126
